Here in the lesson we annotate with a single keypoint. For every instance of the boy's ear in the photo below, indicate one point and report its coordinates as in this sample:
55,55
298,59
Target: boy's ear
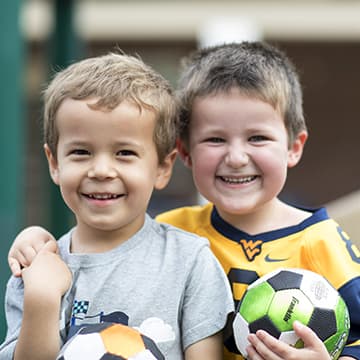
183,153
52,163
165,170
296,148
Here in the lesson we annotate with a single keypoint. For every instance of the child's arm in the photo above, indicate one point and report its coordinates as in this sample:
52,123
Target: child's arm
266,347
26,245
210,348
45,282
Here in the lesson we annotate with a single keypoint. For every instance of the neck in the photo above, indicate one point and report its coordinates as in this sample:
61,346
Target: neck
90,240
271,216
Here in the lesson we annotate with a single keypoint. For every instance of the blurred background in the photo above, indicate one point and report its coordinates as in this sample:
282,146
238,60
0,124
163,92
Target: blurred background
40,36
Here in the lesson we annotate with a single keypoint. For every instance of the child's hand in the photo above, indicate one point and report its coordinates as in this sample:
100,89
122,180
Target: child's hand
47,276
27,245
266,347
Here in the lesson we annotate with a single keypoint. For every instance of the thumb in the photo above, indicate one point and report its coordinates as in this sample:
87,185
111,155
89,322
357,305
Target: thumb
51,246
310,339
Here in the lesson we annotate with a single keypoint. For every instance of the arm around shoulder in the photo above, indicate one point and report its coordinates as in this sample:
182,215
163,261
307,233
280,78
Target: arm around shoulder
27,245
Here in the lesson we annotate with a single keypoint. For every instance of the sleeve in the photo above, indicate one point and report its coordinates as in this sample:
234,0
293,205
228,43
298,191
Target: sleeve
207,301
351,295
338,259
13,311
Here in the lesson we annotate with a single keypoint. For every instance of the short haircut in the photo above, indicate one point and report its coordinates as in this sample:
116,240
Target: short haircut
113,78
257,69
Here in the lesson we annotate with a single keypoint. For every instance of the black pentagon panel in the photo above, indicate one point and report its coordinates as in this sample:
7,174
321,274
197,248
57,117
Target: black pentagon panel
323,322
94,328
266,324
61,358
230,345
151,346
112,357
285,280
228,335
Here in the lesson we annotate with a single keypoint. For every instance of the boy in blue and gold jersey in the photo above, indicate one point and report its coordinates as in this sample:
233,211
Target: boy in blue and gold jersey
241,129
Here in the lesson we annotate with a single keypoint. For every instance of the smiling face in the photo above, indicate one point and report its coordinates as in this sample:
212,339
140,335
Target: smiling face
107,165
239,152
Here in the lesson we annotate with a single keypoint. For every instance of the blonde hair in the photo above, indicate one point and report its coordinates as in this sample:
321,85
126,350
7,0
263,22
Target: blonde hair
113,78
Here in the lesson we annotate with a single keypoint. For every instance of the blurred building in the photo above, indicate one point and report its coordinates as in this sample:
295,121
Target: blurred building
321,37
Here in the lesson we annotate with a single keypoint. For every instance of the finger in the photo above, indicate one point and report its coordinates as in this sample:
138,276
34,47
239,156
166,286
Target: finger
39,241
14,267
51,246
26,255
272,348
19,257
252,354
308,336
265,346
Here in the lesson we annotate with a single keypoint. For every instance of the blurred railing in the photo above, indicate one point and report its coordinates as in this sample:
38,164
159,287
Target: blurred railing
346,211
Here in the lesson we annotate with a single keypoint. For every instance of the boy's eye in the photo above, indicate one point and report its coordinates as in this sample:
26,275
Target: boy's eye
126,153
79,152
215,140
258,138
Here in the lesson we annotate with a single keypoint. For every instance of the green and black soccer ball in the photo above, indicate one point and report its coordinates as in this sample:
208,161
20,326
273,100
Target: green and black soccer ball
109,341
276,300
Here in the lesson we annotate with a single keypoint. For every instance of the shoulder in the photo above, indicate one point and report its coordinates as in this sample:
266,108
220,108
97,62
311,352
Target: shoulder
188,218
319,224
316,228
64,244
182,246
15,285
177,236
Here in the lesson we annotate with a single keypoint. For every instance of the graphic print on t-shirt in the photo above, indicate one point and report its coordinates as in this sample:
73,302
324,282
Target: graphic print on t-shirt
153,327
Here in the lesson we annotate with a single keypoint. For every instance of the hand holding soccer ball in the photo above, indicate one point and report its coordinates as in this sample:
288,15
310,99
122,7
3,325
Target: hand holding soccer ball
268,347
275,301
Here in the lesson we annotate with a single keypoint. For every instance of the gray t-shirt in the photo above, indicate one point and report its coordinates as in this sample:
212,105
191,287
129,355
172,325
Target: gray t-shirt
164,281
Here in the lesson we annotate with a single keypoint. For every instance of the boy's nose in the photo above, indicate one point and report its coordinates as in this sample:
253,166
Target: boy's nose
102,168
236,158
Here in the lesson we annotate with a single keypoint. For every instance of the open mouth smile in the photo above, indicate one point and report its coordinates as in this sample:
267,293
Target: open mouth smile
103,196
238,180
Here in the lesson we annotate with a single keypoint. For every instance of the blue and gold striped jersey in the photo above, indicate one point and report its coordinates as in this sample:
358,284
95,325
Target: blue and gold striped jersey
317,244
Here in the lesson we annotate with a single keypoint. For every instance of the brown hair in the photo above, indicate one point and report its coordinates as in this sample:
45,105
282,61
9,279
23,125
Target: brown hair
258,69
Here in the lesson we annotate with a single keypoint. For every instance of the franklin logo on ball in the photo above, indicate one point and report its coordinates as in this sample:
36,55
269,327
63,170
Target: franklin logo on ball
290,310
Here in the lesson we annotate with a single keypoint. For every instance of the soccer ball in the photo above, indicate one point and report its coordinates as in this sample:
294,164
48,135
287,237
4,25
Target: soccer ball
109,341
276,300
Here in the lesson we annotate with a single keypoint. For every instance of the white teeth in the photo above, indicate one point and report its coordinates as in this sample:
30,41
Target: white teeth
102,196
242,180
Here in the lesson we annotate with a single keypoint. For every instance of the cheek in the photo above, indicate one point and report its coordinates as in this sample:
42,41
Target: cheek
69,179
204,161
142,170
204,167
139,179
274,167
274,158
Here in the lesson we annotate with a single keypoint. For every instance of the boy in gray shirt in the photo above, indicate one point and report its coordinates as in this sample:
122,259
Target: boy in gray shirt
109,125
